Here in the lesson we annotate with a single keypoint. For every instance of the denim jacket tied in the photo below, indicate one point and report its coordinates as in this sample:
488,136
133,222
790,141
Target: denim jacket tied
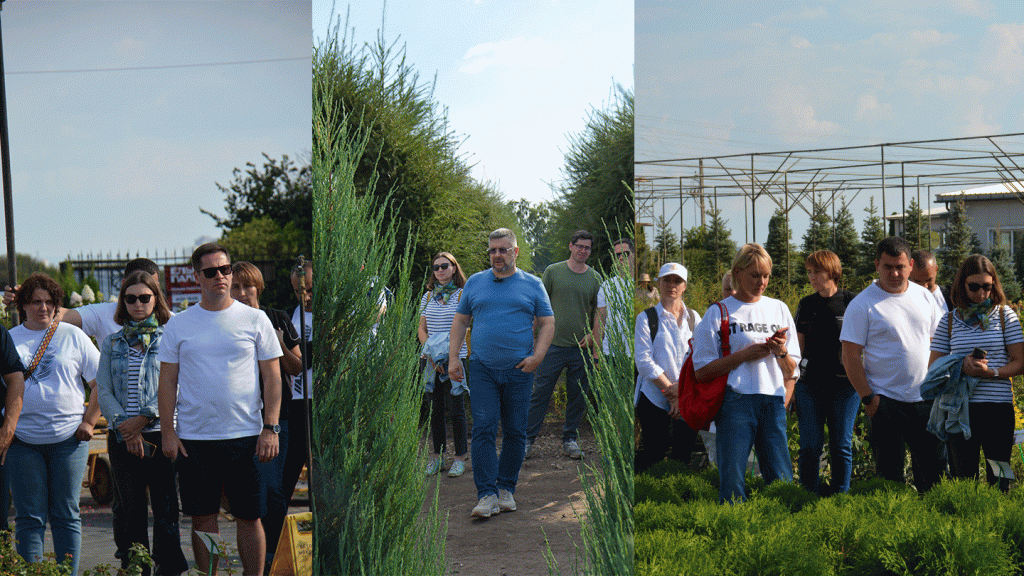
112,380
950,389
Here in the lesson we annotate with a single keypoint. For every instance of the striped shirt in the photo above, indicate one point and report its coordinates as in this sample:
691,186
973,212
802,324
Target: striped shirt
135,359
440,316
994,341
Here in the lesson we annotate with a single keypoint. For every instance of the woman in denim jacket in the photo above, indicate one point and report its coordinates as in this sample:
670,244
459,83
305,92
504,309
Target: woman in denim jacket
127,380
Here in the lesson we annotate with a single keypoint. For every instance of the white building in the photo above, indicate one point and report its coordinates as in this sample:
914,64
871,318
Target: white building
997,209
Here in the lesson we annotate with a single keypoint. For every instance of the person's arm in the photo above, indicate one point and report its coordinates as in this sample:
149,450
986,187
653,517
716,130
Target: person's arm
71,316
455,339
802,341
600,315
168,394
267,446
421,331
1015,363
545,333
91,416
111,408
12,410
858,377
291,358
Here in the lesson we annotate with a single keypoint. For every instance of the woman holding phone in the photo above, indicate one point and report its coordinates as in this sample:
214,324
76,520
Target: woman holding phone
127,380
762,374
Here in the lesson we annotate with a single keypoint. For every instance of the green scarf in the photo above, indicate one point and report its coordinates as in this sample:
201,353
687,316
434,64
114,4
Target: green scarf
141,331
443,293
977,313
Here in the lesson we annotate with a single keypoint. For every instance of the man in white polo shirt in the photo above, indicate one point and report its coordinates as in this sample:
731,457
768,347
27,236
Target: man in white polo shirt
891,322
208,373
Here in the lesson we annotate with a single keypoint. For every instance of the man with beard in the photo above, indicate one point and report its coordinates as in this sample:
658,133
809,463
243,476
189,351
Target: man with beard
504,305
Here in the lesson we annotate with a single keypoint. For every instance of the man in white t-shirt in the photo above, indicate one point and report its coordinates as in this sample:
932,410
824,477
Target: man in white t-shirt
891,322
925,270
614,289
209,357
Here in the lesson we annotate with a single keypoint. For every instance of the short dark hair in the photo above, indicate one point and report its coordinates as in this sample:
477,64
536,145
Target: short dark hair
144,264
163,313
975,264
581,235
893,246
632,246
35,281
921,258
247,274
208,248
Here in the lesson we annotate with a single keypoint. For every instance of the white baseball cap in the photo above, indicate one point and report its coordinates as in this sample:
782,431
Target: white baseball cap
673,269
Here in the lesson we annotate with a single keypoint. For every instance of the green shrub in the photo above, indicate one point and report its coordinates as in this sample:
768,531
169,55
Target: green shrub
675,489
792,496
963,498
872,485
669,553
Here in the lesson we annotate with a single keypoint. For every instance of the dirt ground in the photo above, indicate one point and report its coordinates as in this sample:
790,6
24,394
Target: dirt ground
548,498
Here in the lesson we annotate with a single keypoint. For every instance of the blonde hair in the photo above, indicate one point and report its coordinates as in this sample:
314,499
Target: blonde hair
749,255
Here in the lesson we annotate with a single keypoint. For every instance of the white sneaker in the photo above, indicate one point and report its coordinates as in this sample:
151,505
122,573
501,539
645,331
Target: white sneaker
572,449
487,507
505,501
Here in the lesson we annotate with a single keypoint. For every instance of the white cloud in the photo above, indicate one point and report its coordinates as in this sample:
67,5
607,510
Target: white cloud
812,13
976,123
517,52
978,8
800,42
793,114
1003,52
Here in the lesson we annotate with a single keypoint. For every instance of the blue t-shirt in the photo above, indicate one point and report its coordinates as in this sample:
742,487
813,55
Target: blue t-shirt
503,315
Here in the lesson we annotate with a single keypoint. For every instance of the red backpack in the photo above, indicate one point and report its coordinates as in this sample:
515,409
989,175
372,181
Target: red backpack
699,402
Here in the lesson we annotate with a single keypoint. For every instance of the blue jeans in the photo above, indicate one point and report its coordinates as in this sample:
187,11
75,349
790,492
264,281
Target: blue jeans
745,421
557,359
47,486
503,394
835,403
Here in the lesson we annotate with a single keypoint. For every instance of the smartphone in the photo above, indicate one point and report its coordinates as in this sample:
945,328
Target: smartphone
780,332
979,354
148,449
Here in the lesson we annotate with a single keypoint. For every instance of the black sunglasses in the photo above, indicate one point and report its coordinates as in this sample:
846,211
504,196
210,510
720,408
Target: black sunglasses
441,266
623,253
975,287
131,298
224,270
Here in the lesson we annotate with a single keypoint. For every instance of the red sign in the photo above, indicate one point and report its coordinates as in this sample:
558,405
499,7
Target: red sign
181,285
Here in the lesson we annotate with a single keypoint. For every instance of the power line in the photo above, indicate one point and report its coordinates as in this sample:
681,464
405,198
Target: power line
158,67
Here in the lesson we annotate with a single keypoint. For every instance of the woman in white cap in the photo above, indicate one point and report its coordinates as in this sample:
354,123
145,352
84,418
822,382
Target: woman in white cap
762,372
662,343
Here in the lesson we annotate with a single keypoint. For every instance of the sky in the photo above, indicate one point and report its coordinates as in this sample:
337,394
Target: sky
517,77
718,78
125,115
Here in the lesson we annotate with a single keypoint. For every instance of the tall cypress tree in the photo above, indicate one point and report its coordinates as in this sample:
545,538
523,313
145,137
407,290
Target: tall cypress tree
779,247
872,233
845,242
957,243
819,233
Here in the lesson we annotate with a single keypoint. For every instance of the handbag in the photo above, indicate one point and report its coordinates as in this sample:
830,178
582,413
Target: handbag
699,402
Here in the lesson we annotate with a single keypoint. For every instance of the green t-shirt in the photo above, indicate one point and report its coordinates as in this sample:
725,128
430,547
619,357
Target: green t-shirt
574,299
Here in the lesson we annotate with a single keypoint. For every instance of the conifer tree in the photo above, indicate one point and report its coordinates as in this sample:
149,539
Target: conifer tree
915,229
957,244
999,254
779,247
872,233
845,242
819,233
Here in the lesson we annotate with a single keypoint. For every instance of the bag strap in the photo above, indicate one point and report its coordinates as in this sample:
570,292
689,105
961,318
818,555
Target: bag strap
42,348
652,321
691,318
723,330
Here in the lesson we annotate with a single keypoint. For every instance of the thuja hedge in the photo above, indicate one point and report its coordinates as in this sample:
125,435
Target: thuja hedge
880,527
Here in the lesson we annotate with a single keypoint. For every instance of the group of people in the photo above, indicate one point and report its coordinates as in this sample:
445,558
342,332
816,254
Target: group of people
932,370
523,333
193,401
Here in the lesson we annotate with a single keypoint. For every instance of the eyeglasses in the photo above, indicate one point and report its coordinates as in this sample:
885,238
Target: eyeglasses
583,247
224,270
440,267
131,298
502,251
975,287
625,253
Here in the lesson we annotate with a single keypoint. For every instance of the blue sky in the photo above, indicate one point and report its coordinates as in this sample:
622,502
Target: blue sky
115,160
517,77
719,78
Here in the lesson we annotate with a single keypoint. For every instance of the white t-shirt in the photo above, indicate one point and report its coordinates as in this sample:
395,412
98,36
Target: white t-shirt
615,321
895,331
218,385
665,355
297,380
55,395
937,293
98,319
750,323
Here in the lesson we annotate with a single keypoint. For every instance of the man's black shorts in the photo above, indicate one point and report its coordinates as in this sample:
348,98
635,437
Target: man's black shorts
214,463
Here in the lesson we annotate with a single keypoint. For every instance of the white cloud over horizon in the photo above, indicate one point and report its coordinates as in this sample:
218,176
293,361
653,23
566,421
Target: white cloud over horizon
519,52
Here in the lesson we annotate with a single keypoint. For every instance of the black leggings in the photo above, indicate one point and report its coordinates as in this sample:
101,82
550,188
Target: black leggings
992,431
441,396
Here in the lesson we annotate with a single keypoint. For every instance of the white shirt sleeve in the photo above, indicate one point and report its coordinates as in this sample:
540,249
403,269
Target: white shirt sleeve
644,349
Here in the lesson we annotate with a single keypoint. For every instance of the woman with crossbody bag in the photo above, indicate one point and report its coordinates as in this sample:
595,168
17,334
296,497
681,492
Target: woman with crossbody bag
51,442
981,320
762,373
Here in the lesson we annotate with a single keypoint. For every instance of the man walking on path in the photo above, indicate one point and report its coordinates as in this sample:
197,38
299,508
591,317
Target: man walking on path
891,323
572,286
208,373
504,304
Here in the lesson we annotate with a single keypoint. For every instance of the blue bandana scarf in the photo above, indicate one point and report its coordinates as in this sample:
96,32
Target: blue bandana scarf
141,331
443,293
977,313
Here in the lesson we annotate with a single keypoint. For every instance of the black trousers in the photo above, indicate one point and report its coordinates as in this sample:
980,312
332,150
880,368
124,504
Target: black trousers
661,436
992,426
442,402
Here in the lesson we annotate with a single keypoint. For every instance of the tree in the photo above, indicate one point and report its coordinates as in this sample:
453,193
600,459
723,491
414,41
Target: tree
819,232
279,192
999,254
717,240
666,243
872,233
535,221
845,241
957,243
779,247
595,193
914,228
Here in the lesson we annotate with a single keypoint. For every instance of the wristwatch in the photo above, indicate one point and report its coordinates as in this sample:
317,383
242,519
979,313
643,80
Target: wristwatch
275,428
783,355
865,400
995,372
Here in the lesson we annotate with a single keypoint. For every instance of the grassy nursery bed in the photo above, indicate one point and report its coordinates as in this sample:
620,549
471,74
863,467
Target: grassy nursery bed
880,527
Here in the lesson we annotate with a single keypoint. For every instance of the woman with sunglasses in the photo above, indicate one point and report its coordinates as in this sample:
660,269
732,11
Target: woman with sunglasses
277,479
48,456
437,310
127,380
980,319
